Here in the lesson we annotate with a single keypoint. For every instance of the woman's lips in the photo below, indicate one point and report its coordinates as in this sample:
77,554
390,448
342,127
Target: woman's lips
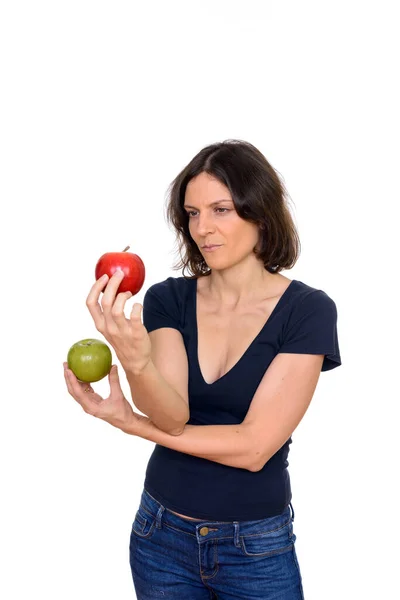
211,248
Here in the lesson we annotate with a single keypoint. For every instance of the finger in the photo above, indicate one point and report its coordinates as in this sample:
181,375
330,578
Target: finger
117,310
86,387
136,312
69,384
113,378
92,302
77,389
110,292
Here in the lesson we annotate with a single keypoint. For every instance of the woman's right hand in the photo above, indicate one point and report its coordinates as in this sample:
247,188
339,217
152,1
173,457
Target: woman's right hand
115,409
128,337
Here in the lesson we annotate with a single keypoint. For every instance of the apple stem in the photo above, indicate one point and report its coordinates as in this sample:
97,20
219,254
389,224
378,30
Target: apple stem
125,249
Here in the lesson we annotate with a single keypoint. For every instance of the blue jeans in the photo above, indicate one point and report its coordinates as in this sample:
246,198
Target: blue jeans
177,559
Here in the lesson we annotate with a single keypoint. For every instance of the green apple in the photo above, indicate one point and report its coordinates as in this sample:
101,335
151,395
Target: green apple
90,360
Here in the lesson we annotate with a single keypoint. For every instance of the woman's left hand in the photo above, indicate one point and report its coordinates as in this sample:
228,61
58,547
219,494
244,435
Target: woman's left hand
128,337
115,409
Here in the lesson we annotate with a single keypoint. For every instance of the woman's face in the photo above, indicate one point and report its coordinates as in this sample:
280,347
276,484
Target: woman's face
213,220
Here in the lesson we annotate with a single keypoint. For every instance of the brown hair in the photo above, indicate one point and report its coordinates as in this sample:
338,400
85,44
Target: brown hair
258,194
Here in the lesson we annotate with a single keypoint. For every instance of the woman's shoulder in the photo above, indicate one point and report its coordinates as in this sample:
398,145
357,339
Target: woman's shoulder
165,303
306,296
170,291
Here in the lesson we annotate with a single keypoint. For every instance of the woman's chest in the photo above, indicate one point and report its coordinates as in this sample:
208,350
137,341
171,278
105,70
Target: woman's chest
223,340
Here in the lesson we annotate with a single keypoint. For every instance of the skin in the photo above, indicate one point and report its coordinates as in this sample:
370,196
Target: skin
237,276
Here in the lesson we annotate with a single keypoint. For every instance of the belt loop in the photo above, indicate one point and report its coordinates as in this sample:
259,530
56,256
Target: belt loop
236,535
159,516
291,506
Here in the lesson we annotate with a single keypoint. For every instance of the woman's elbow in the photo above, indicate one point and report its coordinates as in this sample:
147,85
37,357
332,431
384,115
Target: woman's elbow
177,431
178,427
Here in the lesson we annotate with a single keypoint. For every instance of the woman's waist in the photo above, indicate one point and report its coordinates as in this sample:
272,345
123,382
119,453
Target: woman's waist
199,488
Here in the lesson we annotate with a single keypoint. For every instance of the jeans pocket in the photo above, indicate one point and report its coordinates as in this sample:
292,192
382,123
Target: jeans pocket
269,543
144,524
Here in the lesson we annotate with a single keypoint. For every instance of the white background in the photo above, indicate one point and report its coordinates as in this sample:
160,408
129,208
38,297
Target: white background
102,104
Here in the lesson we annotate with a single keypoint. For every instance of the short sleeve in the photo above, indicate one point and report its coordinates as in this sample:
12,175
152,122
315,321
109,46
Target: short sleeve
312,329
161,306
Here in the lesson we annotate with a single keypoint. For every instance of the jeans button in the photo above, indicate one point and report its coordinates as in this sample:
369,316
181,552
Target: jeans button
204,531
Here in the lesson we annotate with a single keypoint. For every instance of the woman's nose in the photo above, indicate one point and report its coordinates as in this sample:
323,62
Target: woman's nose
204,224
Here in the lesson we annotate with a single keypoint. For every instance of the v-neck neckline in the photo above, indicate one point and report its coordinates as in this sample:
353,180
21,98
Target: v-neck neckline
196,330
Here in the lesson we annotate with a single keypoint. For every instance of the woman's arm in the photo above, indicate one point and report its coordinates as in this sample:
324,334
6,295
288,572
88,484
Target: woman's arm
157,399
275,411
230,445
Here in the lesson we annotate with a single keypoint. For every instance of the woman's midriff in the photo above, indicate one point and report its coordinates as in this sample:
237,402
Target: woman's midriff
185,517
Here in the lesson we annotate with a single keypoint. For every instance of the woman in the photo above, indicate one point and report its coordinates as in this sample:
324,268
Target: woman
224,366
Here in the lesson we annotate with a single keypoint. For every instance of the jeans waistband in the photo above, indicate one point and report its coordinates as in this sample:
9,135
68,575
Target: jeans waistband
215,529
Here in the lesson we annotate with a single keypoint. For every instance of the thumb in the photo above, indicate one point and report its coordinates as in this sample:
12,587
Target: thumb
136,310
113,378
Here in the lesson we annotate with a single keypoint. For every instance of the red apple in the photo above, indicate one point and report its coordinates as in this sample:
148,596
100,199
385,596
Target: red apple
131,264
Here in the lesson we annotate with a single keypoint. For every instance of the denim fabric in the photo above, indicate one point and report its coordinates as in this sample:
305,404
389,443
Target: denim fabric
177,559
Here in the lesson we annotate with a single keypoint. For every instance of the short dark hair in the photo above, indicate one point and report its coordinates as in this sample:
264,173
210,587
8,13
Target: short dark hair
258,194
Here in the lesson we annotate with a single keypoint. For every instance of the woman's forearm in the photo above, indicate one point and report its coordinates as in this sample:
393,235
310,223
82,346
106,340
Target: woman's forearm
231,445
154,397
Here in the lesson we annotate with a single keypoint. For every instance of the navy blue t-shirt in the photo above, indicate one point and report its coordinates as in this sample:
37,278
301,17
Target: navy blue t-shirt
303,321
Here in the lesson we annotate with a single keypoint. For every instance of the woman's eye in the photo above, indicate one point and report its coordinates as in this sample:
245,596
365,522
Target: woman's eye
191,213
